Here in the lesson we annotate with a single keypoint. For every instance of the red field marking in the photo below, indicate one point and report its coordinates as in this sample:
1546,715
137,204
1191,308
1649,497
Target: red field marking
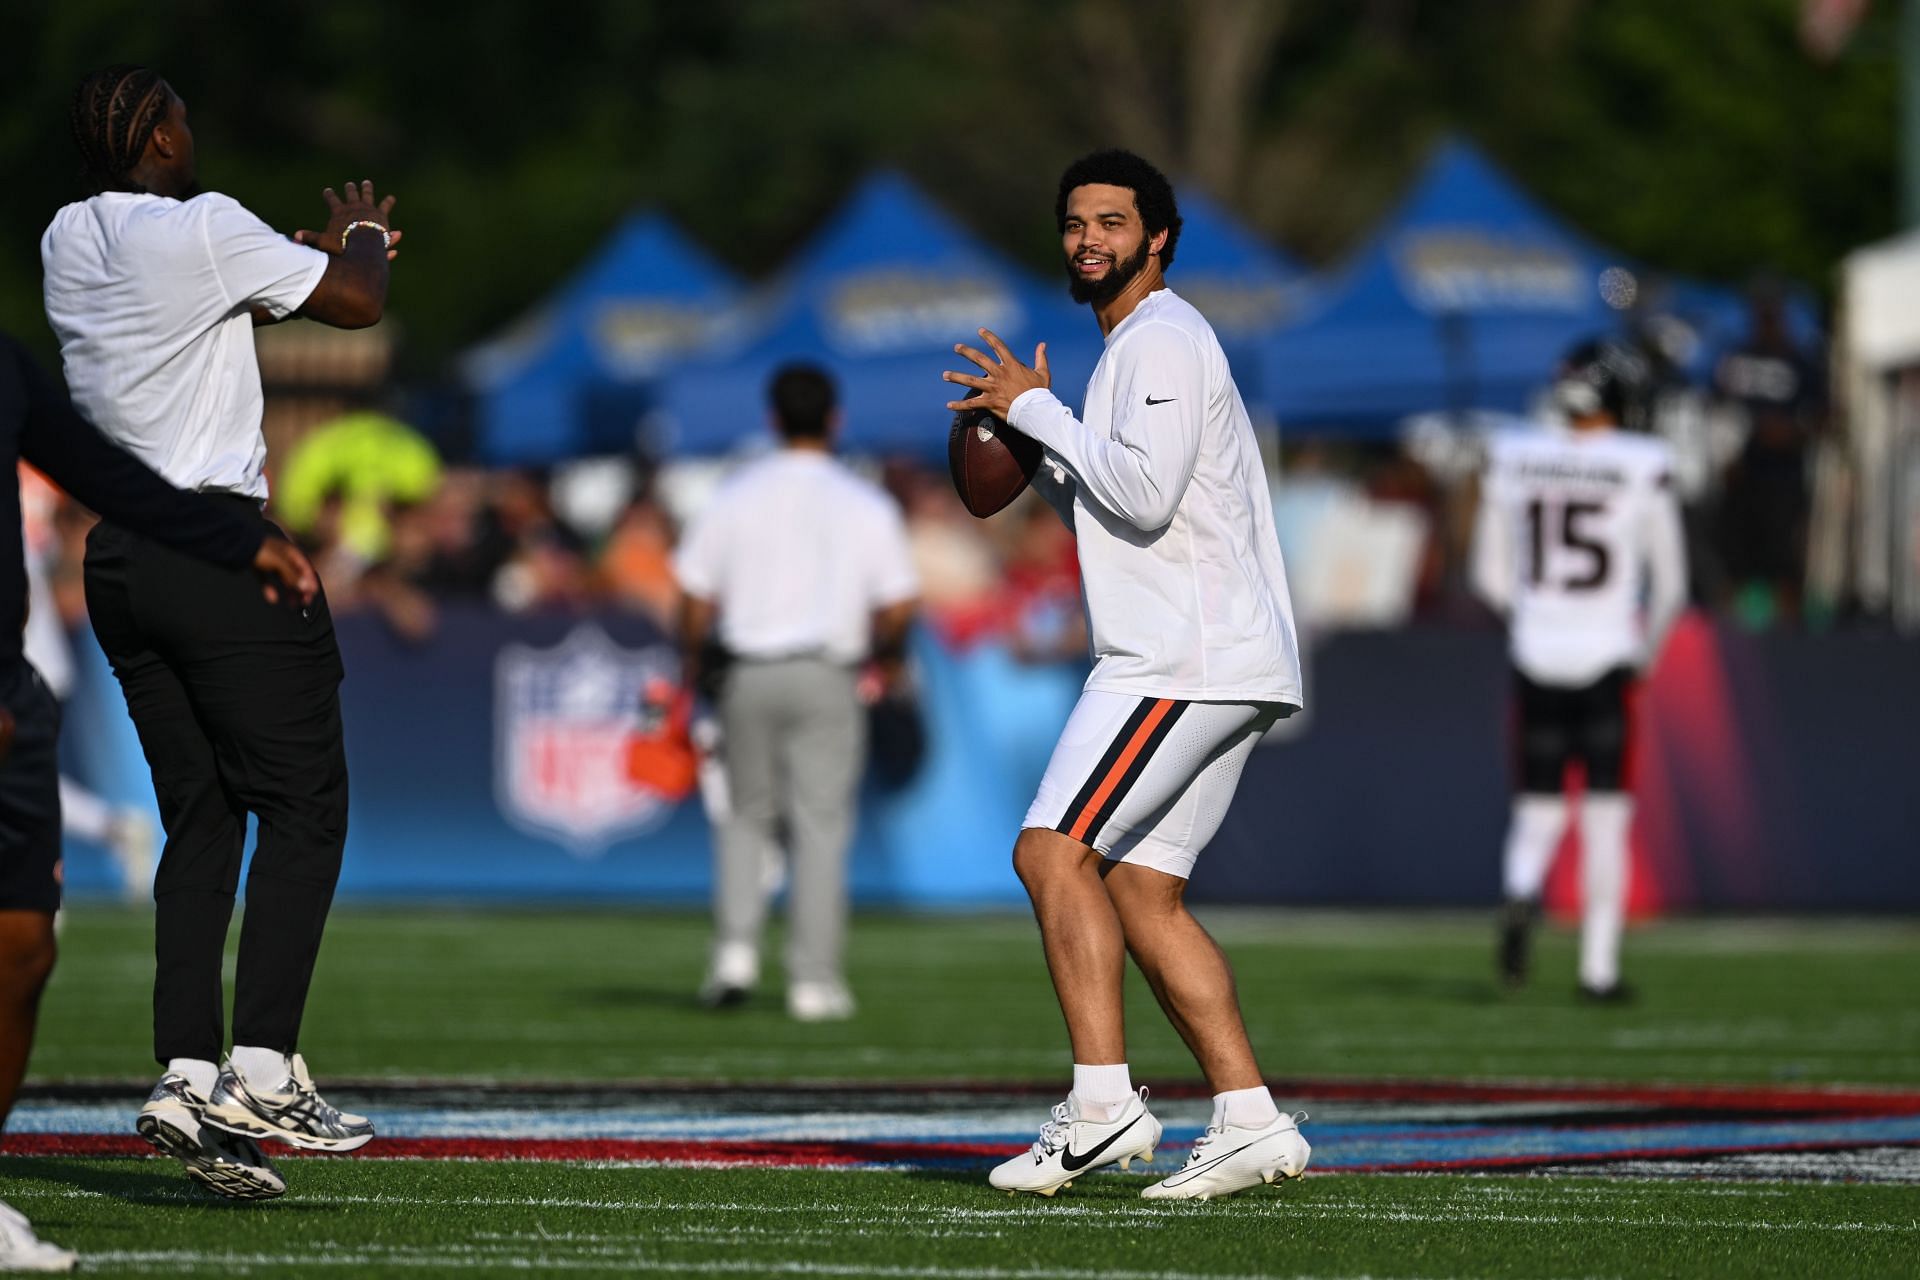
615,1150
842,1155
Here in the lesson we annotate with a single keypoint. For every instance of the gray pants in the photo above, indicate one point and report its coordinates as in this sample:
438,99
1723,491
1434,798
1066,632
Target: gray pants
795,744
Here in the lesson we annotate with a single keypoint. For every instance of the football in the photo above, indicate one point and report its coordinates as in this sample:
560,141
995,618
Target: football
990,461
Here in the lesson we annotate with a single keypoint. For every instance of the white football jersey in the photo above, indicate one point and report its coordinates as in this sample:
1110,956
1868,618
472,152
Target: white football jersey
1162,483
1579,543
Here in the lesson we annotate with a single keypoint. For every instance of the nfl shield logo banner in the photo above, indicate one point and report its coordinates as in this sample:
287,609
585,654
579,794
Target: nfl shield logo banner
569,723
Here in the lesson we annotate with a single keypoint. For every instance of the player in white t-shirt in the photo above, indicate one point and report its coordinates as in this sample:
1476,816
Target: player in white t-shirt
153,289
1194,659
1579,545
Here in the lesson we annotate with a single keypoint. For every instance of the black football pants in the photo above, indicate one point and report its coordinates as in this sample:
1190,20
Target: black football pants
237,704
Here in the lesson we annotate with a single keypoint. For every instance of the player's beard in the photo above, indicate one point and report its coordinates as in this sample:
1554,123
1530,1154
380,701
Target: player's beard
1104,290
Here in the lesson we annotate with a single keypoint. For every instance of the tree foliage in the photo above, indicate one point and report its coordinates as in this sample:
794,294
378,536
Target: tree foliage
1698,136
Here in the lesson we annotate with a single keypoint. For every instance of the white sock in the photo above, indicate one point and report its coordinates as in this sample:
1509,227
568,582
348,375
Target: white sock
1101,1092
1532,836
1605,817
199,1073
1244,1108
265,1069
83,813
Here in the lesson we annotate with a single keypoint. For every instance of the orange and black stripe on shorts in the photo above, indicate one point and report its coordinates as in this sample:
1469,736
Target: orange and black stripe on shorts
1125,760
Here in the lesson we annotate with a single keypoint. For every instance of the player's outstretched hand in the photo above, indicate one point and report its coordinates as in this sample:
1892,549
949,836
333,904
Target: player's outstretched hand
279,559
357,205
1001,381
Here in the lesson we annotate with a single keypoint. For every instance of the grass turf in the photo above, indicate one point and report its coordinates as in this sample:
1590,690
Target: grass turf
599,995
365,1218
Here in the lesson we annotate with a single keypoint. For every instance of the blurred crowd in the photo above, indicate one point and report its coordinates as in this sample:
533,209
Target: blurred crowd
1375,532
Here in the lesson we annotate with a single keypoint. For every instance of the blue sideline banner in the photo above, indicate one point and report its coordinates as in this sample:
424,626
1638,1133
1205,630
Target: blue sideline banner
492,764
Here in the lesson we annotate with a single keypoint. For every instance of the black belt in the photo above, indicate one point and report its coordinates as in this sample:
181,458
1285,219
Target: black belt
794,655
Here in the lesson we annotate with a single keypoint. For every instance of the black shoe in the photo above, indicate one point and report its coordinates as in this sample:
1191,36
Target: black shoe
1516,941
1618,993
724,997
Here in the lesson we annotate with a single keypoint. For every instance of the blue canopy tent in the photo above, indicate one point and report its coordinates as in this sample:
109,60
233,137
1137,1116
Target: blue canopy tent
575,376
1464,300
1246,288
878,298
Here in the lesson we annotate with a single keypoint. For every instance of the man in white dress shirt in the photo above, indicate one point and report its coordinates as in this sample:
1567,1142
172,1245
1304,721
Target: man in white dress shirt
153,289
1194,659
802,569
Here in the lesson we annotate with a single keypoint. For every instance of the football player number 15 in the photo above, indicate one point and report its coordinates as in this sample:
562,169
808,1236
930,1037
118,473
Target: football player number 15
1562,525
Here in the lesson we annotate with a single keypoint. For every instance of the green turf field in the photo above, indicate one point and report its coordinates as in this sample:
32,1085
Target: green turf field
611,995
608,995
403,1219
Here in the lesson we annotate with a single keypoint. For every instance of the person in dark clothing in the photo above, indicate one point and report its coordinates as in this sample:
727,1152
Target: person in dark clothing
38,425
1779,390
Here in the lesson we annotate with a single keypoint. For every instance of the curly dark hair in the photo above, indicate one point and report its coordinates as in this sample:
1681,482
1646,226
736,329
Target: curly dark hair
1152,193
115,111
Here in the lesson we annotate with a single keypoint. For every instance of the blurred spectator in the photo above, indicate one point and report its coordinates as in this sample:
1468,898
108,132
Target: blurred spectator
466,544
953,554
1355,532
547,565
636,567
1779,392
1042,587
365,462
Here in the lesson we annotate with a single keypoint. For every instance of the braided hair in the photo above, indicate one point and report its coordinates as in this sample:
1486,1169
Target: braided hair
115,111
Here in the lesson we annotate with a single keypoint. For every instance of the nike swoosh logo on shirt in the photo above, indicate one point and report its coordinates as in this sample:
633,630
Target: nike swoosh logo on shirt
1168,400
1072,1163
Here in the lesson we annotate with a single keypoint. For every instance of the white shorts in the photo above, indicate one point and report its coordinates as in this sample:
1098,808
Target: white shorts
1147,780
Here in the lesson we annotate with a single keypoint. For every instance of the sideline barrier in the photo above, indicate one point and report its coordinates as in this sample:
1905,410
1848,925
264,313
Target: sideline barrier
1775,774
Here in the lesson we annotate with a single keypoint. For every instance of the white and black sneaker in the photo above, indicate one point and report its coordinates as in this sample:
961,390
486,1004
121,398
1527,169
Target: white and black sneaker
1070,1145
294,1113
1228,1159
225,1164
21,1250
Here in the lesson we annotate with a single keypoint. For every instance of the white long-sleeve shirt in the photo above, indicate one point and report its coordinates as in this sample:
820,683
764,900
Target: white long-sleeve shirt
1578,542
1161,481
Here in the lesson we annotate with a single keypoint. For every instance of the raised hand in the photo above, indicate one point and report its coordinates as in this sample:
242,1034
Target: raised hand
358,205
1001,381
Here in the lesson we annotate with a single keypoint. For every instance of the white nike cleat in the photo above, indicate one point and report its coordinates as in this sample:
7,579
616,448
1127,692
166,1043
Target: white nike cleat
1229,1159
1070,1146
21,1250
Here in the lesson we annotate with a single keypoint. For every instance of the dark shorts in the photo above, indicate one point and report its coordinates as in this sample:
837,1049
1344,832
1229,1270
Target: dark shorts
1559,725
30,795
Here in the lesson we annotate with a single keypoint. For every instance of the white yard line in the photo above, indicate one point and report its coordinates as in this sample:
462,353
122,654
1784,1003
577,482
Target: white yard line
451,1258
1017,1212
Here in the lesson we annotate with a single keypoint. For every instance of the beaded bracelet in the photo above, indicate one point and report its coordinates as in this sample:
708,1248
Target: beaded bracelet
385,235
